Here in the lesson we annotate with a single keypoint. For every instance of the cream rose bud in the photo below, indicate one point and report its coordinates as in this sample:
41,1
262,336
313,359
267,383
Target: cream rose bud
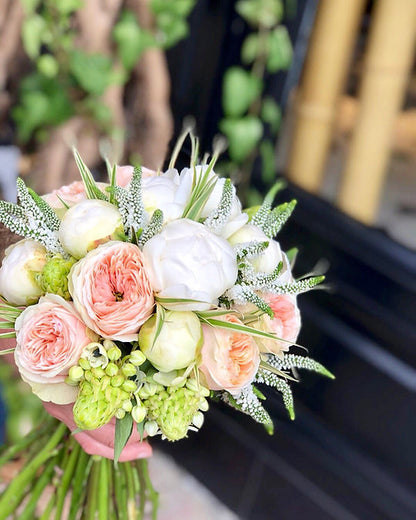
17,273
267,261
87,225
177,344
186,261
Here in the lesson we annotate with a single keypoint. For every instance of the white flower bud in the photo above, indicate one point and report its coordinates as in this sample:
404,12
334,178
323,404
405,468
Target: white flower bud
17,273
267,261
139,413
151,428
198,419
178,341
87,225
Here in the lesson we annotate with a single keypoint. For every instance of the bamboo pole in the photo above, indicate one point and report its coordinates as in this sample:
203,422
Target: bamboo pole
324,72
388,61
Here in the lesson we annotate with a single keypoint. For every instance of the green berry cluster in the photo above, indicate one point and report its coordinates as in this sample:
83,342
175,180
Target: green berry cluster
173,410
107,383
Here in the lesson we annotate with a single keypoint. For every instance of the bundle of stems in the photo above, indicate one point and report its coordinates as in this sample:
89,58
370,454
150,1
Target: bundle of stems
58,480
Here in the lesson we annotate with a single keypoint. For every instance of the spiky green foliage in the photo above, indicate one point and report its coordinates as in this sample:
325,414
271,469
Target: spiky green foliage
32,218
269,220
217,219
271,379
298,287
247,402
277,218
130,204
91,188
261,216
243,293
248,250
153,227
291,361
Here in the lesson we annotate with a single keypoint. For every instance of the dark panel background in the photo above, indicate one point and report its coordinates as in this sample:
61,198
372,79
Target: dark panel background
351,451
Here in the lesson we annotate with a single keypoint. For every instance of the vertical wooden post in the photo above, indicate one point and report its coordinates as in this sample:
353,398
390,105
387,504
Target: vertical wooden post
323,76
388,61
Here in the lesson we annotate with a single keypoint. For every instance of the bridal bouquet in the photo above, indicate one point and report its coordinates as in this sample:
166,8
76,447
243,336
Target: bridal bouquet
132,304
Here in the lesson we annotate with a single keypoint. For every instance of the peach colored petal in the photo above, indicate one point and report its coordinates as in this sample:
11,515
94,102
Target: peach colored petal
229,359
111,290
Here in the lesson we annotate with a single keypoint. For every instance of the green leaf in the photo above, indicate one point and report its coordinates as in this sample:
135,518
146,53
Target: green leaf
263,13
131,39
250,48
91,71
240,89
33,30
42,102
280,50
180,8
271,113
124,427
140,429
268,162
91,188
243,136
48,66
172,29
67,7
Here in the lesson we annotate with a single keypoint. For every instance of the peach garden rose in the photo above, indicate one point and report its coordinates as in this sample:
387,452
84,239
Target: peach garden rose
230,359
285,323
111,290
50,337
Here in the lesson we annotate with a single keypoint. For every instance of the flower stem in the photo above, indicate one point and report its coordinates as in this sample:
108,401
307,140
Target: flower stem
12,451
68,471
92,489
44,480
79,483
103,496
16,489
131,496
120,492
153,495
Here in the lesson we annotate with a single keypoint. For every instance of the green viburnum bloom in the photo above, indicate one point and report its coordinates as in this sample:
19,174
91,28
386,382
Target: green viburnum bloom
173,409
54,276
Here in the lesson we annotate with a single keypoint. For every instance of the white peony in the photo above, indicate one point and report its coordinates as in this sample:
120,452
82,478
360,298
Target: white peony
185,260
161,192
17,273
267,261
87,225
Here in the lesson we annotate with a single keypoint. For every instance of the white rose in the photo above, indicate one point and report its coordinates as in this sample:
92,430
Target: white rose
236,219
185,260
178,343
87,225
17,273
267,261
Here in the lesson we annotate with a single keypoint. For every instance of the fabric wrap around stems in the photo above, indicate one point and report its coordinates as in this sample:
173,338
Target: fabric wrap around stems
100,441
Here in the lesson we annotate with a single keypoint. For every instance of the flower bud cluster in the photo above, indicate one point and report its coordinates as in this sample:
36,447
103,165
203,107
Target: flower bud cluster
175,409
107,382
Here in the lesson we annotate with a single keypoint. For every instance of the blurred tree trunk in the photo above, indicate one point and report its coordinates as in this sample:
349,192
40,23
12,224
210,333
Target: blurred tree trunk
140,110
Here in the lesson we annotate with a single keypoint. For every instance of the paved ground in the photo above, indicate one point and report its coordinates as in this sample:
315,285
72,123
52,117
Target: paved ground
182,497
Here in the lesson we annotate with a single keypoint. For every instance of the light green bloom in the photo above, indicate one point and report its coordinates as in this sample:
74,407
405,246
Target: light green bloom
54,276
94,406
175,410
